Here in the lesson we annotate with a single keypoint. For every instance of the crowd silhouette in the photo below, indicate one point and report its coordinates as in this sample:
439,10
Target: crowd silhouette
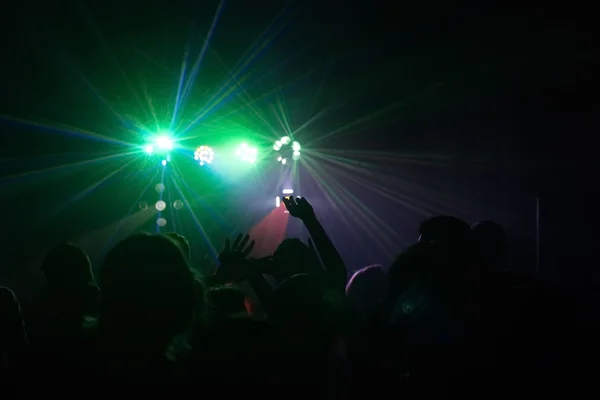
446,313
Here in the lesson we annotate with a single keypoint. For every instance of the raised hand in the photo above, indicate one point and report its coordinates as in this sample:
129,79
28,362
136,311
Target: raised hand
233,259
299,207
330,258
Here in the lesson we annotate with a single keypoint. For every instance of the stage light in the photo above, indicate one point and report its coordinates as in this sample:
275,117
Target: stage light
247,153
204,155
178,204
161,222
161,144
164,163
287,149
160,205
287,191
277,202
164,142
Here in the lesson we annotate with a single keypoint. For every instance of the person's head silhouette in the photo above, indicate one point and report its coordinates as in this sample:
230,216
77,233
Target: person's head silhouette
182,242
490,239
68,267
12,329
293,257
70,280
148,292
445,230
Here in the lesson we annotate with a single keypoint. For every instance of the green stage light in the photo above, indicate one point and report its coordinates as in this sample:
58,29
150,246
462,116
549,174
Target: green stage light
247,153
164,142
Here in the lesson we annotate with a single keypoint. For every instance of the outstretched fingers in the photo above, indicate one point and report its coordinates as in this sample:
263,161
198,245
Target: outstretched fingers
289,201
242,243
248,248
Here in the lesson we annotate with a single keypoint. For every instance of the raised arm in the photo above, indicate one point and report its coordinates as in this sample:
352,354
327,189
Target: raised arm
332,261
235,267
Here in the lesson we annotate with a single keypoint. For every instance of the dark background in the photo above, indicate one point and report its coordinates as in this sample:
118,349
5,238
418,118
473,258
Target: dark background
503,96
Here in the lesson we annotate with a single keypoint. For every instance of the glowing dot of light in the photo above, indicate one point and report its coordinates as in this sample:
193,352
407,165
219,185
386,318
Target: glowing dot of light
161,222
408,307
178,204
164,163
160,205
204,155
149,149
277,202
159,187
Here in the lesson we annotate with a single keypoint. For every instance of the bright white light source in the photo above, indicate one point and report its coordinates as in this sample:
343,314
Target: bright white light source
161,144
285,140
277,201
164,163
160,205
247,153
287,191
164,142
161,222
284,161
